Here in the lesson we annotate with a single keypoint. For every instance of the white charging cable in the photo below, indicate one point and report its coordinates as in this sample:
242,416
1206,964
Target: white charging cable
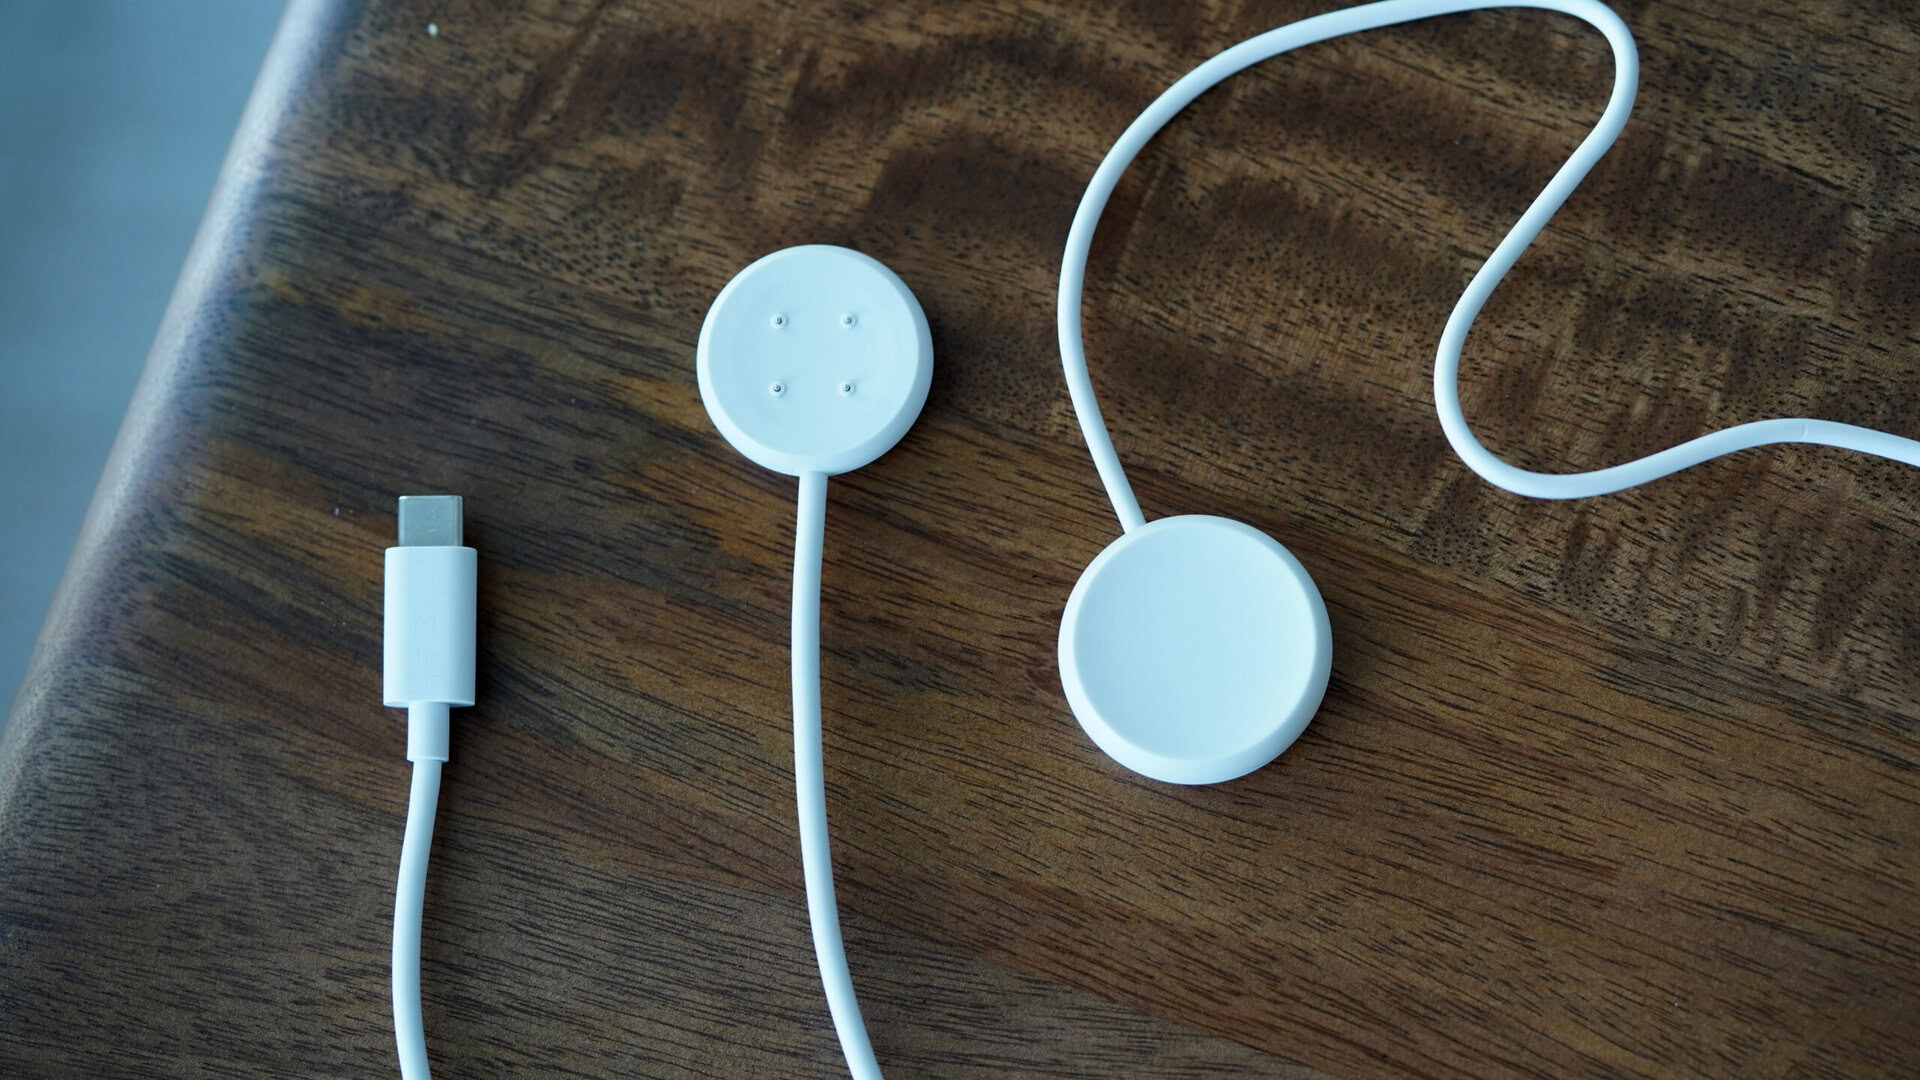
814,361
810,781
429,664
1446,368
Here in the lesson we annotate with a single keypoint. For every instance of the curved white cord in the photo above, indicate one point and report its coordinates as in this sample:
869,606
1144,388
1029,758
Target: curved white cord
810,781
1446,368
809,778
409,899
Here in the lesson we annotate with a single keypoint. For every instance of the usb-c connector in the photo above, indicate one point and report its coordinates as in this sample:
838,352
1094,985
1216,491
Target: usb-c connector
431,520
432,582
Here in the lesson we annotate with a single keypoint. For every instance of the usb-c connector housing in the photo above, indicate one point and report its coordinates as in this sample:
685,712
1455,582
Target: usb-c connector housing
431,520
431,585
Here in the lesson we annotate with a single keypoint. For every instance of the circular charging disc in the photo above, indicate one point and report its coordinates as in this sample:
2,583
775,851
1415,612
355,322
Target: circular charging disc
1195,649
814,359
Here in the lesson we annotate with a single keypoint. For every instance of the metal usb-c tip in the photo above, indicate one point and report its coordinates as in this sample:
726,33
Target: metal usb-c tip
431,520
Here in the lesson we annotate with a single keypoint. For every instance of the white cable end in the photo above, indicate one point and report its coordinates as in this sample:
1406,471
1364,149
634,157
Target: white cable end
431,620
429,734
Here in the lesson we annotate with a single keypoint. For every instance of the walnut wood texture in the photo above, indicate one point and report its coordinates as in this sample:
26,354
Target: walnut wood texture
1617,788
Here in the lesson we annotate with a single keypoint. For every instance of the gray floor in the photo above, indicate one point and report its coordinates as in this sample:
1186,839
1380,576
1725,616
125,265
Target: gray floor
114,115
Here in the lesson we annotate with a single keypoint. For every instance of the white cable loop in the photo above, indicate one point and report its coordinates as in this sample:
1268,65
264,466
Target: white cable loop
810,783
1446,368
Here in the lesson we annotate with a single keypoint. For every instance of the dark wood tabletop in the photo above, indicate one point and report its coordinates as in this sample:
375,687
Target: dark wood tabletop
1613,788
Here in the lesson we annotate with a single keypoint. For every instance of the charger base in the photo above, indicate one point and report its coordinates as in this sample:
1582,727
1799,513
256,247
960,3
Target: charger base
1195,649
814,359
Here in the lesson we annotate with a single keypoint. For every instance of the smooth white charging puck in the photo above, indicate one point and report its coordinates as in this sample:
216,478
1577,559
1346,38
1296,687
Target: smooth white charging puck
1195,649
814,359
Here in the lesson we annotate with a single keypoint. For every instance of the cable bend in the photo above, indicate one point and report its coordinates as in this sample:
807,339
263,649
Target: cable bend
1446,370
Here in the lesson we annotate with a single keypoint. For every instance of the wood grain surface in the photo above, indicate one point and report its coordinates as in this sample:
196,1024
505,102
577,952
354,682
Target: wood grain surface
1616,788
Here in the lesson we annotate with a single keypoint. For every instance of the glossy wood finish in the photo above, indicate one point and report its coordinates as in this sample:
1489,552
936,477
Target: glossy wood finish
1616,788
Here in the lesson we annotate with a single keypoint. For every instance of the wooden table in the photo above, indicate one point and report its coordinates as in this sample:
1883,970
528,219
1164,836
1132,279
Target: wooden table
1623,787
